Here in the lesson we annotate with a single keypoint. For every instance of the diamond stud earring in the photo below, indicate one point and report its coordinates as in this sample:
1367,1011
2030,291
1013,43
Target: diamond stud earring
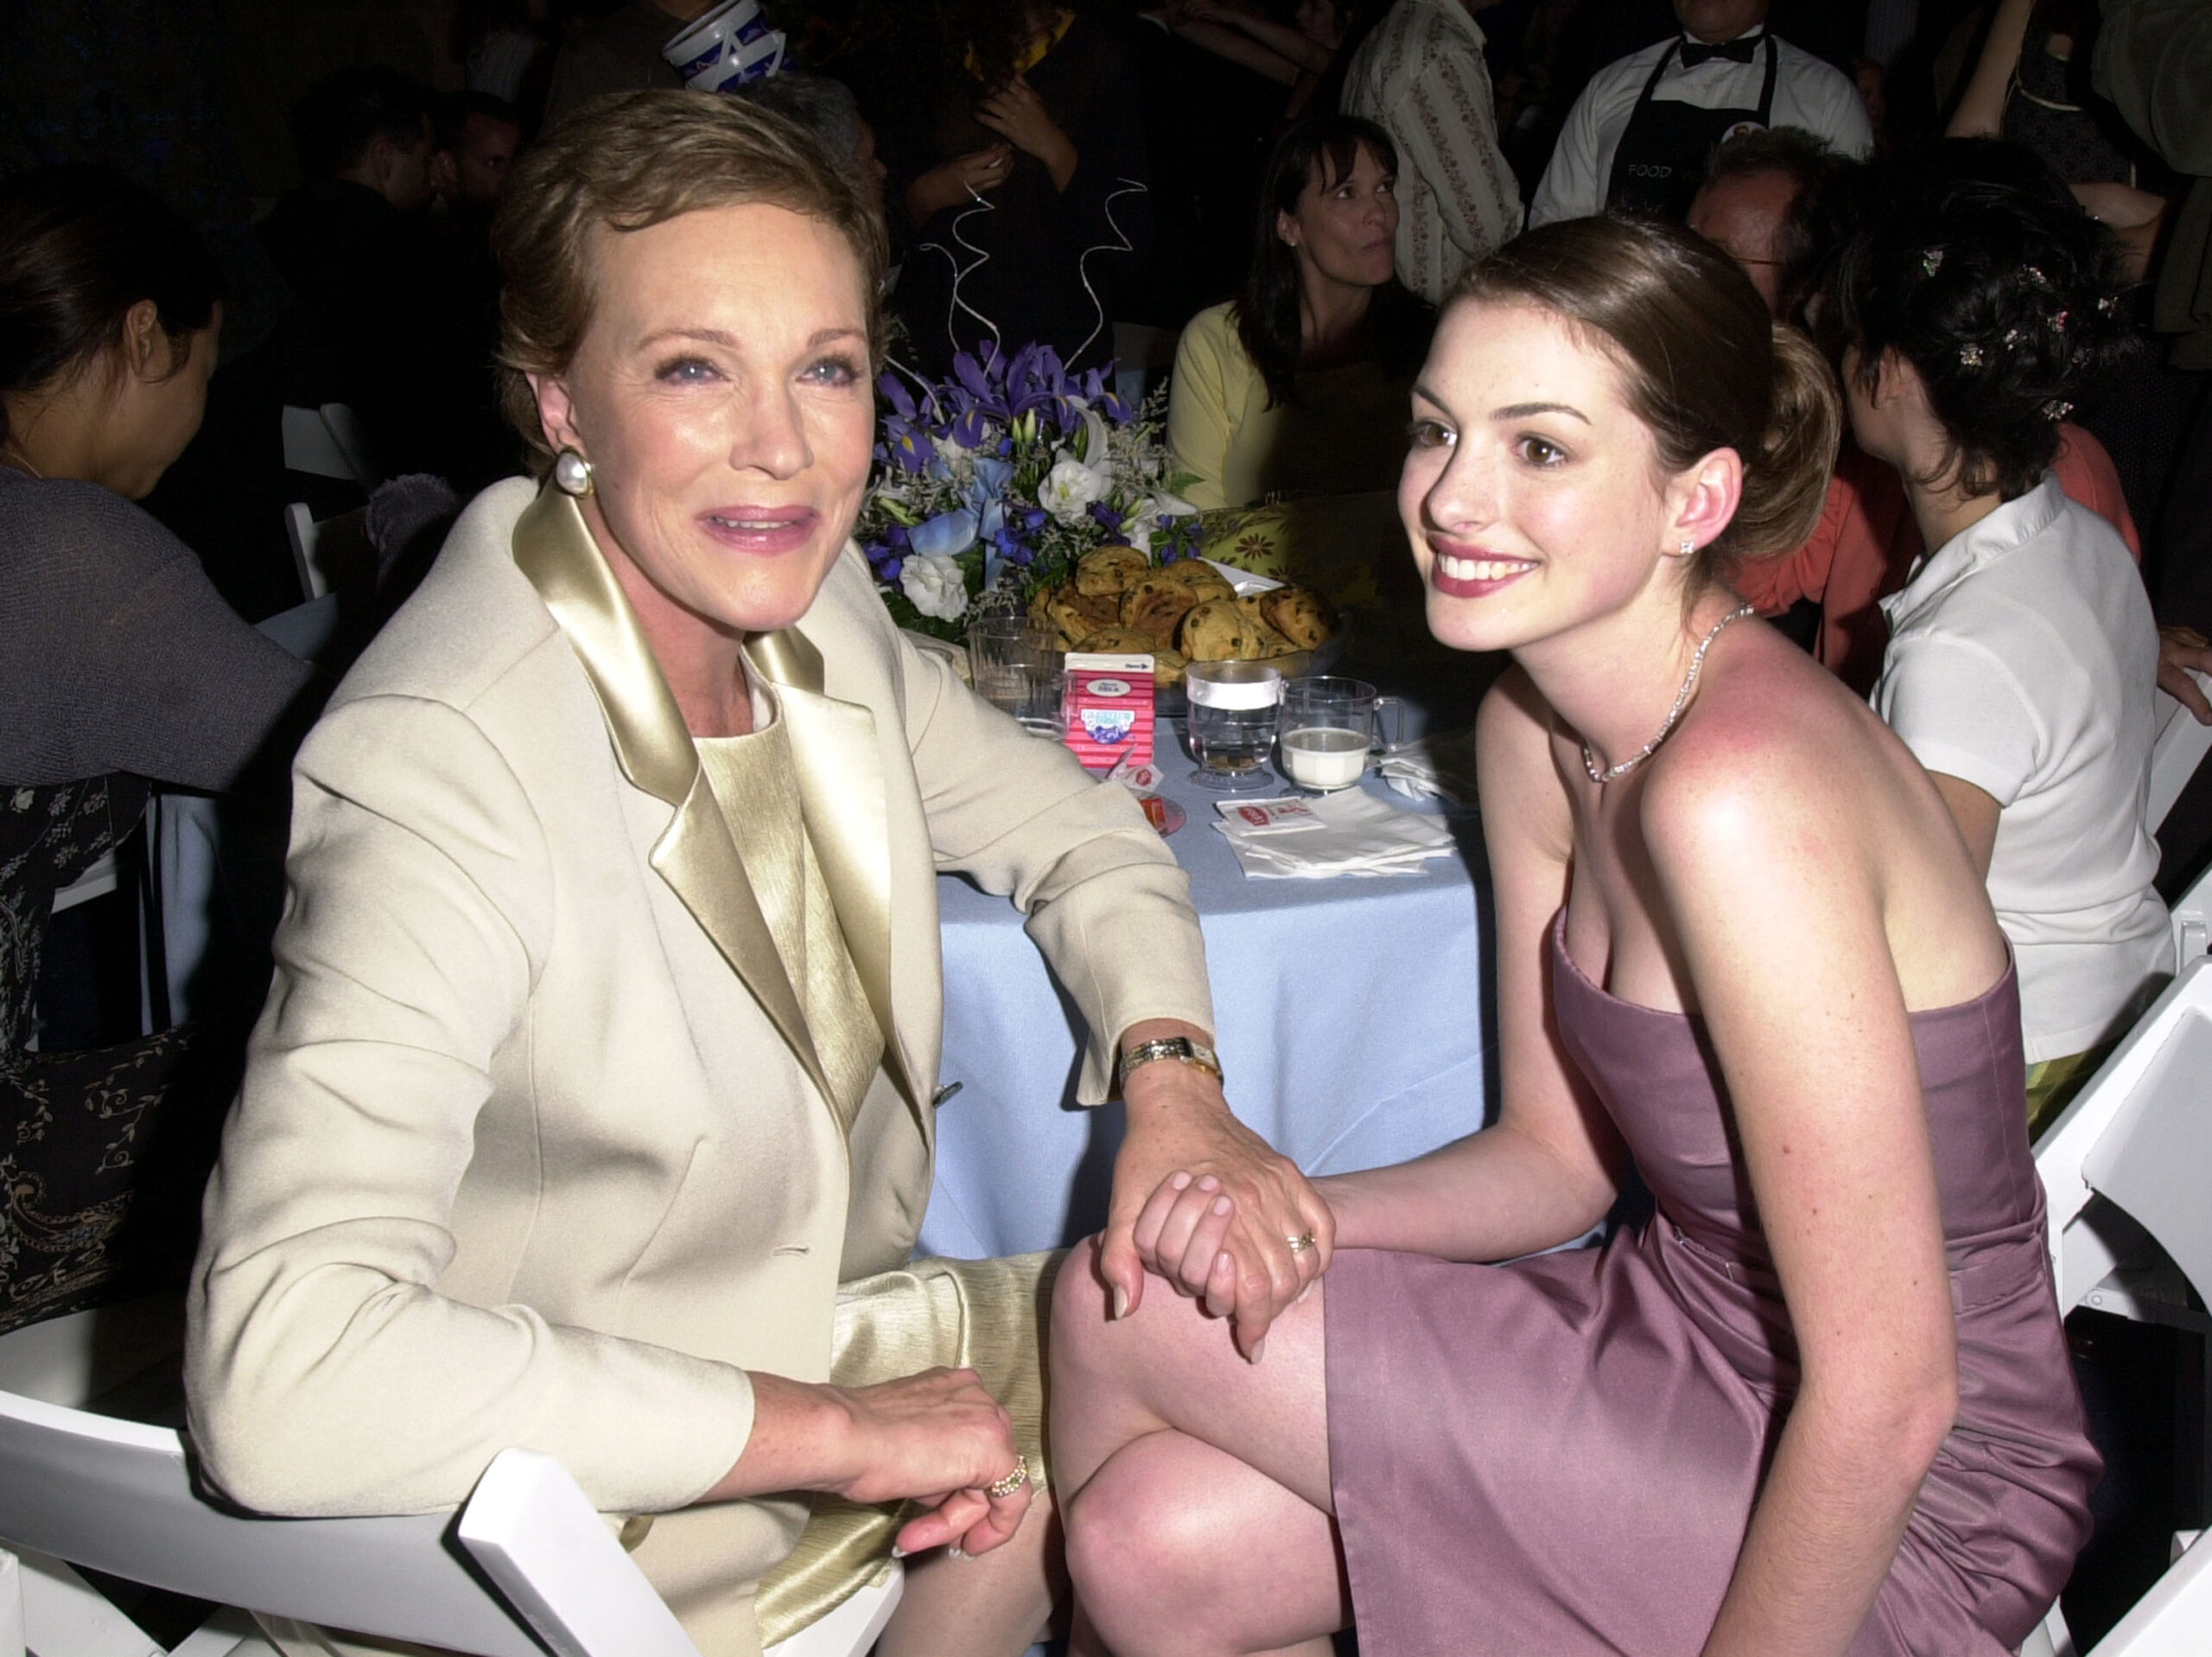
572,473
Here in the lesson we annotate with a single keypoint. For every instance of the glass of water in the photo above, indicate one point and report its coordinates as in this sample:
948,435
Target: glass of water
1015,662
1328,727
1232,722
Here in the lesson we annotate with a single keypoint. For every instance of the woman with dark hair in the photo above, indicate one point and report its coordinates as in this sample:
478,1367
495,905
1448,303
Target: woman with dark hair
1017,156
1300,382
119,667
1820,1402
2022,653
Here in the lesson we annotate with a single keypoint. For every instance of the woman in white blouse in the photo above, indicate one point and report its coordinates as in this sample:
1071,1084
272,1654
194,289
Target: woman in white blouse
2023,653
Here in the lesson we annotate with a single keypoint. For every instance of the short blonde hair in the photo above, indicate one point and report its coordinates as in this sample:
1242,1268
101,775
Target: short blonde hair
629,161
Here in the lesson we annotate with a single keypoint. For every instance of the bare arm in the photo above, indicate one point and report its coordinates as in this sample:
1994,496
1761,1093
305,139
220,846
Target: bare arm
1298,47
1981,113
1547,1170
1975,812
1238,48
1815,1044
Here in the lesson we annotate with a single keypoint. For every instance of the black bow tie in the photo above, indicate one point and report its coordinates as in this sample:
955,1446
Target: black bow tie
1739,50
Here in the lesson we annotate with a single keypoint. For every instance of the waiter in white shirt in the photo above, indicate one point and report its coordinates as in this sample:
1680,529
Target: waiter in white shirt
1637,139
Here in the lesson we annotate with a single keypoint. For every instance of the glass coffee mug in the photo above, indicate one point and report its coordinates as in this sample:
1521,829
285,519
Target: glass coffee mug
1232,722
1327,728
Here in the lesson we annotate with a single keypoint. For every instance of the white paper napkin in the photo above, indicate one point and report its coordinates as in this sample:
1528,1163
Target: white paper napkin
1441,766
1346,833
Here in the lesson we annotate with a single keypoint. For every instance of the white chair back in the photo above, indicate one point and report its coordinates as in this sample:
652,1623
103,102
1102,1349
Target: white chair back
117,1496
2127,1164
2174,1619
329,443
2192,919
2140,1134
2179,748
306,535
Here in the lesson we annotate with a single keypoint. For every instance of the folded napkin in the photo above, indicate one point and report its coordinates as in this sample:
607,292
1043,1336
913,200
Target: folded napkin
1346,833
1436,767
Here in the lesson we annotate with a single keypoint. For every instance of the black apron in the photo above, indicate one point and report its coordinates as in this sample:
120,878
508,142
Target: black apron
1661,158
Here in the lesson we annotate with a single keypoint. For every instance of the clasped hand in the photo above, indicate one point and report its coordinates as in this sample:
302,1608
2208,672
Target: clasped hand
1202,1201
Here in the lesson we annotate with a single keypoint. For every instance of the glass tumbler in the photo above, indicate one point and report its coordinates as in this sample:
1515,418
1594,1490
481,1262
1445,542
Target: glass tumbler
1232,722
1328,727
1014,663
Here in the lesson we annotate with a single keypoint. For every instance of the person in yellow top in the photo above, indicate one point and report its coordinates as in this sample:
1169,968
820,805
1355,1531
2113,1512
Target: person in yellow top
1299,384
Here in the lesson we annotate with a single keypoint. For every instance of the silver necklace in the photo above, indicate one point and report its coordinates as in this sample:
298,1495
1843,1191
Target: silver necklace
1604,774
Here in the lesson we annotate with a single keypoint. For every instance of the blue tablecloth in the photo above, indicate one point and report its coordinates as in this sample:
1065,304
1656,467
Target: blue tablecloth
1354,1022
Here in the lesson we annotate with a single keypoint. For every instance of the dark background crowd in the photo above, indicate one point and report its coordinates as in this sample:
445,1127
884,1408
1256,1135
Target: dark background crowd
344,159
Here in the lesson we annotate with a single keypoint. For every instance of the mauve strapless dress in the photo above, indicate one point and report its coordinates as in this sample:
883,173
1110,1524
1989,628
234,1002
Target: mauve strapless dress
1560,1455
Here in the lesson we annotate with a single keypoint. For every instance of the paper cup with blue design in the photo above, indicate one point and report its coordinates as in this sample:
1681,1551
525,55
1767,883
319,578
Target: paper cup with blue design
732,44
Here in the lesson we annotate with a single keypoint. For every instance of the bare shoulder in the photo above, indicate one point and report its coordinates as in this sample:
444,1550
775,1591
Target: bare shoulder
1776,760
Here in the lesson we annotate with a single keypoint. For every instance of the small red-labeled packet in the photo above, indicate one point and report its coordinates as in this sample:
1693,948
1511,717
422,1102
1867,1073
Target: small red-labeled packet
1107,707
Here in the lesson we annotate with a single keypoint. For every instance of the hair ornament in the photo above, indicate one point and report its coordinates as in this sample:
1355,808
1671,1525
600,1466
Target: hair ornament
2036,278
2012,337
1969,356
1931,262
2059,322
2109,305
2056,409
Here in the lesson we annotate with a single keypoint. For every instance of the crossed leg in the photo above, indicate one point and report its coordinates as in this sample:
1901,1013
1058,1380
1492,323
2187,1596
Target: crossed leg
1193,1486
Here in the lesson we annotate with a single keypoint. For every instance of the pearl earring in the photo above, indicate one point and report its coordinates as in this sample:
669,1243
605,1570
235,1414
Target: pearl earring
572,473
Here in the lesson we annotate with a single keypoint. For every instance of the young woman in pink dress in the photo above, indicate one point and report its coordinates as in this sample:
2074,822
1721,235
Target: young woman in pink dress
1821,1401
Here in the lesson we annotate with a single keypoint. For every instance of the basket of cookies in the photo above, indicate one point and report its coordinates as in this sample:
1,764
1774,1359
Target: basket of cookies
1117,600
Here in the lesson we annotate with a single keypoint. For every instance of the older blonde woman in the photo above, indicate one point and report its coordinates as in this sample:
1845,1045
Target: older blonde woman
592,1107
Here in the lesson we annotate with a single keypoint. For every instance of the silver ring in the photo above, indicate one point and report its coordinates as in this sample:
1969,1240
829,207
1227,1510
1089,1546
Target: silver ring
1012,1482
1300,1243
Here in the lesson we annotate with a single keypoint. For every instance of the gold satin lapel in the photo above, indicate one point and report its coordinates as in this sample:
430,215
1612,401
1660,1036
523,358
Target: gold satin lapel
841,793
695,855
555,550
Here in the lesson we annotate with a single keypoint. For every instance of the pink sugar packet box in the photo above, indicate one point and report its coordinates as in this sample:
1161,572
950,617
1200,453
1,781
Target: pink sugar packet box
1107,707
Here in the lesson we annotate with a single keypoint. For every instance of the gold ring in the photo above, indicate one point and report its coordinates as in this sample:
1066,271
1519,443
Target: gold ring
1300,1243
1011,1482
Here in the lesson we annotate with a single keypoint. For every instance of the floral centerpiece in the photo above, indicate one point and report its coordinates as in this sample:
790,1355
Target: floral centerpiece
996,481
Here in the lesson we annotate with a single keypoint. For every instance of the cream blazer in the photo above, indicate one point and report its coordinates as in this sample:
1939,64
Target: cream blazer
531,1148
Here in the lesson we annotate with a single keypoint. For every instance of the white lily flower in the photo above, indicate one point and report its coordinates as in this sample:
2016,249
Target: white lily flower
1069,488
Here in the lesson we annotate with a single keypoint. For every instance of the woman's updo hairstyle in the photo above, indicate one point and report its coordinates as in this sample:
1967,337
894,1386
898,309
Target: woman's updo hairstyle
1702,364
80,247
1980,270
626,162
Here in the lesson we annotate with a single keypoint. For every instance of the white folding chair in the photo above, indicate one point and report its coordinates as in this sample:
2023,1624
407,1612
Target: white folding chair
305,535
2178,749
2127,1177
329,443
2192,919
114,1494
